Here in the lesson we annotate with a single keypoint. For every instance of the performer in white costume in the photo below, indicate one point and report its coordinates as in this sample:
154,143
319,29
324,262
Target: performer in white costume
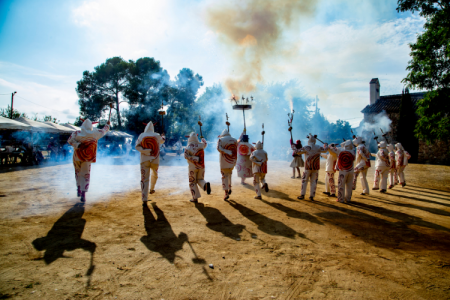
402,158
345,160
330,169
244,164
297,161
148,144
362,164
227,146
381,167
259,160
312,166
162,151
84,142
393,180
195,155
178,148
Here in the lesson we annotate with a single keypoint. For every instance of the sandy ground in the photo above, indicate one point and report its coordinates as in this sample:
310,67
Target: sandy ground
383,246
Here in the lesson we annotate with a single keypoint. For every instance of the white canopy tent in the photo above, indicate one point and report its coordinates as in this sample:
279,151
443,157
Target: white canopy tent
36,126
8,124
62,129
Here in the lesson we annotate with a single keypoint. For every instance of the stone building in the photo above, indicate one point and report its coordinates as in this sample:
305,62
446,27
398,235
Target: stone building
437,153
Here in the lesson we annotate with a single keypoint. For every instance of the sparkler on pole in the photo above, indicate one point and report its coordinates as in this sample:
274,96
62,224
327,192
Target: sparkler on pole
315,138
384,135
162,113
290,118
200,124
243,106
375,136
263,133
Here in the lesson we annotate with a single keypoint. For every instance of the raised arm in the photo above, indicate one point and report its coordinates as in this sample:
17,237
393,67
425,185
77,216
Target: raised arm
324,155
72,140
221,149
189,157
204,143
103,131
162,139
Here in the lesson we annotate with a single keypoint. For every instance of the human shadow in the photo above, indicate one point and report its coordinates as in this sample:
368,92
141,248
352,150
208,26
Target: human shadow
290,212
280,195
218,222
418,188
424,193
432,210
160,236
65,235
381,232
266,224
392,192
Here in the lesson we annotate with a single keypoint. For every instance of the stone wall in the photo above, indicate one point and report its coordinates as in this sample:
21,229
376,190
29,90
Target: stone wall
436,153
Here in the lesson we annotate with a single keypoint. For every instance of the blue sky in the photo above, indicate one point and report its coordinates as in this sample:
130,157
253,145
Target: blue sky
46,45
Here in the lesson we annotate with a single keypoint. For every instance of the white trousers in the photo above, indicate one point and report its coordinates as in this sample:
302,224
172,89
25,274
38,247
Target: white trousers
226,178
382,172
82,174
393,177
257,179
146,166
196,179
401,174
330,187
364,183
345,184
313,176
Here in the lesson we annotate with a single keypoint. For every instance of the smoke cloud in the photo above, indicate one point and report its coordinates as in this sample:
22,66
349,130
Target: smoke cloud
254,33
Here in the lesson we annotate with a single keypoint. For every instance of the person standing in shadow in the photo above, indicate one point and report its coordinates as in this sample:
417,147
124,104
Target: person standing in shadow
160,236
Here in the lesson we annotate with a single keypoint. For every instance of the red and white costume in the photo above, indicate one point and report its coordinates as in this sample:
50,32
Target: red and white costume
381,167
259,160
330,169
362,164
227,146
401,157
312,165
297,161
244,164
393,180
148,144
194,153
84,142
345,161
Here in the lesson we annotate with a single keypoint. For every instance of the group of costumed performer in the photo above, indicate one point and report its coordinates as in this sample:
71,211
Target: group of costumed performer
195,155
84,142
148,144
227,147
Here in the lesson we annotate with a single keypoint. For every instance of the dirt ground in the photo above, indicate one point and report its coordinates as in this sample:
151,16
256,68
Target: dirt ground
383,246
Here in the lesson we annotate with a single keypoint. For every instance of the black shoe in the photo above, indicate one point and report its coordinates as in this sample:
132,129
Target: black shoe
78,193
382,191
362,194
403,184
194,200
266,187
83,197
301,197
311,198
208,188
144,203
333,195
227,196
326,193
229,192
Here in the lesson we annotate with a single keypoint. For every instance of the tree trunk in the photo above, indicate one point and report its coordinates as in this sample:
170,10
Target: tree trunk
118,111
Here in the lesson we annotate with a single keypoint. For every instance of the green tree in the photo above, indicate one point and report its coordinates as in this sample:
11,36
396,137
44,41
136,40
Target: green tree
429,68
98,89
6,113
406,122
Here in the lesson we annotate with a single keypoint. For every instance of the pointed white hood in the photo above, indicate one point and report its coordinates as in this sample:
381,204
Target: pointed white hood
258,145
348,145
390,147
87,128
357,141
382,145
311,140
149,128
224,133
193,138
399,146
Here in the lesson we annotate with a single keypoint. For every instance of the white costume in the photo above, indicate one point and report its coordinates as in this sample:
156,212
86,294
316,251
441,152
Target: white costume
227,146
128,147
330,169
312,166
259,160
178,148
84,142
402,158
195,155
393,180
162,151
381,167
148,145
362,164
244,164
345,160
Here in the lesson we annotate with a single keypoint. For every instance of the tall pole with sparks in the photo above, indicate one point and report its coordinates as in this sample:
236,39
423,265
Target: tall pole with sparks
162,112
243,104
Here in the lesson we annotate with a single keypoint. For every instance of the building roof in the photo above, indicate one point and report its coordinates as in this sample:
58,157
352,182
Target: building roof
374,80
390,103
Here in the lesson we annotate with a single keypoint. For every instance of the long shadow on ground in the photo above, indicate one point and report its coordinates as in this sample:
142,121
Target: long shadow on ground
218,222
290,212
266,224
65,235
160,236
